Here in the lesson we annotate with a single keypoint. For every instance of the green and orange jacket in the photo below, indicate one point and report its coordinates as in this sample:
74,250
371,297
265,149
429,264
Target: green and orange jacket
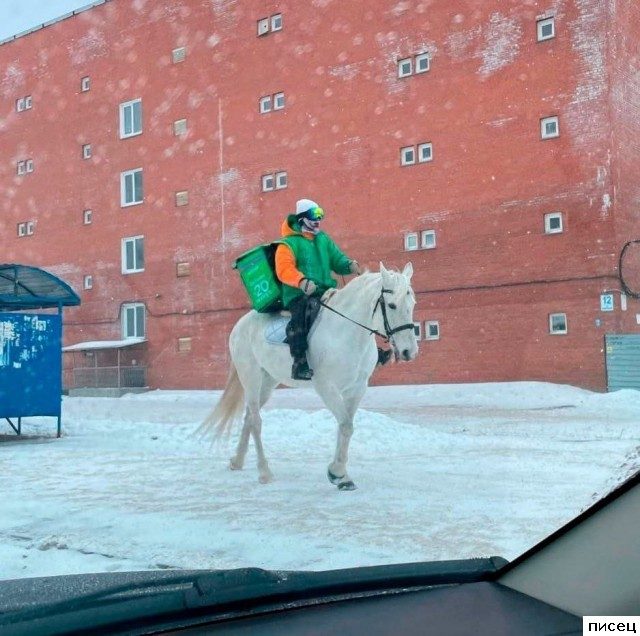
306,255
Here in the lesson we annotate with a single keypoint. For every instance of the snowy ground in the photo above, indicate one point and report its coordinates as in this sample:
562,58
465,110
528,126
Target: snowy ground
449,471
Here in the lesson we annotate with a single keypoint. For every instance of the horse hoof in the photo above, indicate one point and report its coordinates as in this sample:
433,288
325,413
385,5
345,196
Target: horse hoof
334,479
265,479
347,485
234,465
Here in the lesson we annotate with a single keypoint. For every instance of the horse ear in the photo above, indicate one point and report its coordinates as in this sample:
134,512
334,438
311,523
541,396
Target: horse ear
386,276
408,271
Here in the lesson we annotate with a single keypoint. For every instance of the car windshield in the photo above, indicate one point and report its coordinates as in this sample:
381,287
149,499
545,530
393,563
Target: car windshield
198,370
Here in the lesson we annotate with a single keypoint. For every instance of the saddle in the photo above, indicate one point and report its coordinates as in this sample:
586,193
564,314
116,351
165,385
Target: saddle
276,330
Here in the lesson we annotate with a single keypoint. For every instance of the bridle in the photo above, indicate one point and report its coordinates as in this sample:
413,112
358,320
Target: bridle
389,332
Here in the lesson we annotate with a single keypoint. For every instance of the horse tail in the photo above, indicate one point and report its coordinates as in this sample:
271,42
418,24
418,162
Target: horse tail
227,411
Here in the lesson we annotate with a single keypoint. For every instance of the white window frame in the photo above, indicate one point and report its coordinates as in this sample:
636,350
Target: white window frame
404,151
420,58
408,241
282,180
558,332
547,223
179,55
264,105
263,26
20,105
265,179
31,226
87,217
85,84
540,26
180,127
424,239
401,63
543,127
276,22
278,101
427,325
21,168
29,165
123,107
22,229
135,307
86,151
123,180
417,327
421,149
88,282
123,254
28,102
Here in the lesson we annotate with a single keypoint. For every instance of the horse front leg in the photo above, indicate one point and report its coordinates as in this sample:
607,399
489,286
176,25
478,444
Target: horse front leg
337,471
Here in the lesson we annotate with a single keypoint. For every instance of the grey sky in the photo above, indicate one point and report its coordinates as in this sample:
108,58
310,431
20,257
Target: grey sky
19,15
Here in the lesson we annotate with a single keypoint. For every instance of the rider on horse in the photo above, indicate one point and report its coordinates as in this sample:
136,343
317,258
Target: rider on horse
304,260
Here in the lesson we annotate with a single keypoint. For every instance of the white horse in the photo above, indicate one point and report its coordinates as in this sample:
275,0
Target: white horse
341,353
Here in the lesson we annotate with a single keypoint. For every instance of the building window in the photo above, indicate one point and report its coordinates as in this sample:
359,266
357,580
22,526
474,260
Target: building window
180,127
130,118
276,22
404,67
182,198
31,226
557,323
278,101
86,151
428,239
20,105
179,55
184,345
549,127
417,329
265,104
133,254
268,182
183,269
88,282
281,180
263,26
553,223
28,102
85,84
407,156
29,165
133,319
546,29
22,229
425,152
411,241
21,168
87,217
131,190
432,330
422,63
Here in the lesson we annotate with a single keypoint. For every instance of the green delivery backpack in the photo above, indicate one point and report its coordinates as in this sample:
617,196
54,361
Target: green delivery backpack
257,271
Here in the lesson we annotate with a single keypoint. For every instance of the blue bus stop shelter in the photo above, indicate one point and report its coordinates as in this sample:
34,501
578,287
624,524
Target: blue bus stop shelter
31,343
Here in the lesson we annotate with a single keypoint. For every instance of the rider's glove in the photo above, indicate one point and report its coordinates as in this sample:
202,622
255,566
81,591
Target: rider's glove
354,268
308,287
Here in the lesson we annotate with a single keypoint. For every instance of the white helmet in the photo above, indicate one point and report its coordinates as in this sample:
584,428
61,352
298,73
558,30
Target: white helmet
304,205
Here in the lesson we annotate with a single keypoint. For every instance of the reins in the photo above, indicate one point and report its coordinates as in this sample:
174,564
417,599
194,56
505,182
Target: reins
387,327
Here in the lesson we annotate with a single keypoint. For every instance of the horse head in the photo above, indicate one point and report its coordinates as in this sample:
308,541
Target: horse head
397,302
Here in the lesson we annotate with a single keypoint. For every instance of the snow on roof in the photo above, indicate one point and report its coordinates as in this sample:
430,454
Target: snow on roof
104,344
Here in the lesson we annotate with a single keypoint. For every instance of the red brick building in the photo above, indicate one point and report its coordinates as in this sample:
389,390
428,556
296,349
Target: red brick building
493,143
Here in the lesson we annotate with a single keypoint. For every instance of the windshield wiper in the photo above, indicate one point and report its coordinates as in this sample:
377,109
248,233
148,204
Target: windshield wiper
213,593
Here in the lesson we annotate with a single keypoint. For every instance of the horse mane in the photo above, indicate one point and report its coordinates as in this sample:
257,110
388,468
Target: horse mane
371,281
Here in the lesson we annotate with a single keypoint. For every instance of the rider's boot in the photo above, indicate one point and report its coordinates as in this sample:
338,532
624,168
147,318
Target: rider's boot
301,370
383,356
